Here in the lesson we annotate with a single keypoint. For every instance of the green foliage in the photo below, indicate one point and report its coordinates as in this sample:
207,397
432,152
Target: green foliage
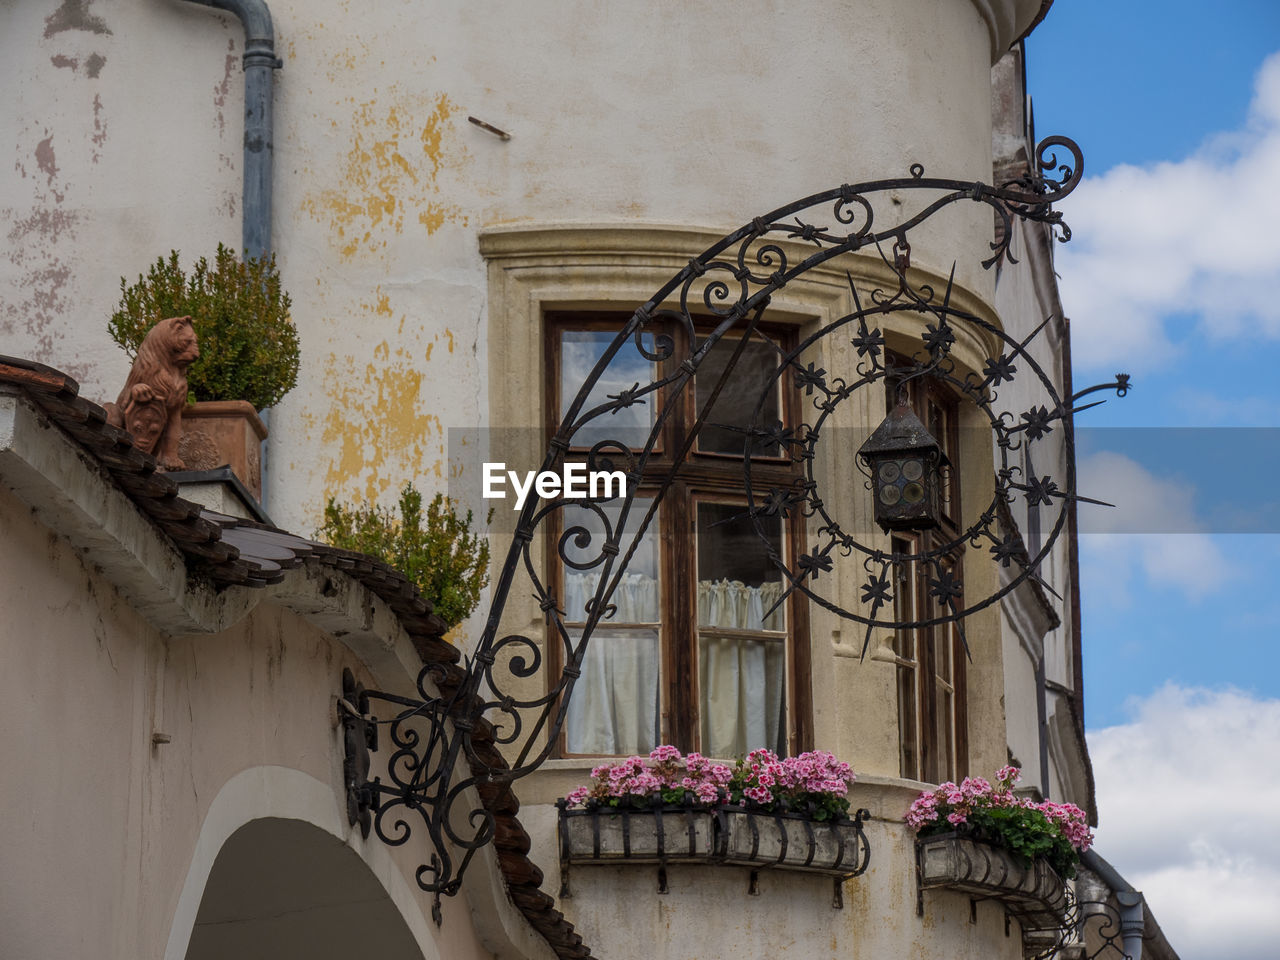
248,345
437,551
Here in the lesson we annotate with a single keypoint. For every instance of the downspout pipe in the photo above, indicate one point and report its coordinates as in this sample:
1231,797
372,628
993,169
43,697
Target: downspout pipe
1042,722
260,64
1133,919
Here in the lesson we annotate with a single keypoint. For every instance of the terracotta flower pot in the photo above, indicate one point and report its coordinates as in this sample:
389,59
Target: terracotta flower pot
218,432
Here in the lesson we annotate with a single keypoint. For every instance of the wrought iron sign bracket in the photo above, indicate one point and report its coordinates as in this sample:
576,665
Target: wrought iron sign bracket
1121,385
487,730
420,773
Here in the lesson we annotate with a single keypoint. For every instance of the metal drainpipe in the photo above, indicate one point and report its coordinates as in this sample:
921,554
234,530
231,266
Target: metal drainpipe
1132,923
260,63
1042,722
1132,913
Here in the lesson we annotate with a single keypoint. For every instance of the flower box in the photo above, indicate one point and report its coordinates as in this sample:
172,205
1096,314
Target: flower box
728,835
791,842
658,835
1032,894
766,812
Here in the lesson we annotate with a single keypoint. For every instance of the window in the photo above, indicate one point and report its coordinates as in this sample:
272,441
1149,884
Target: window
930,660
702,650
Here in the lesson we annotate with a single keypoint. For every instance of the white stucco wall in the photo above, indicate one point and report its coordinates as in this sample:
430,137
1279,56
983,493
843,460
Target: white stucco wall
125,134
112,835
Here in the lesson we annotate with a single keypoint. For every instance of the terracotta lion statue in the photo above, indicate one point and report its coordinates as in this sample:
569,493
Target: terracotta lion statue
150,405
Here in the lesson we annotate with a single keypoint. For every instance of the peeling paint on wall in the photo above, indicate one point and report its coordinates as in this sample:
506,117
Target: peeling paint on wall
223,87
448,334
42,306
391,174
74,15
36,302
376,429
99,136
44,227
45,159
93,64
32,248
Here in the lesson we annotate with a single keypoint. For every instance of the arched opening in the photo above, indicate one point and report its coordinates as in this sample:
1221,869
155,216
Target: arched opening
285,889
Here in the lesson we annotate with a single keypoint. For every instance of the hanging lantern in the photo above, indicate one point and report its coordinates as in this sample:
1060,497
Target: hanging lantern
905,464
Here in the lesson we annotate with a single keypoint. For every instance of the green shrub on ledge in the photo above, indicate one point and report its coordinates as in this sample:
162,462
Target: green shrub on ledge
248,345
437,551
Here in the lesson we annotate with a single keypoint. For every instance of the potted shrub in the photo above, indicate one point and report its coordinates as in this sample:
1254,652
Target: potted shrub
436,550
248,351
984,840
790,814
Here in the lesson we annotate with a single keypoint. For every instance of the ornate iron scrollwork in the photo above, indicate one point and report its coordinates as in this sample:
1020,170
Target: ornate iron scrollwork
427,735
733,282
1099,929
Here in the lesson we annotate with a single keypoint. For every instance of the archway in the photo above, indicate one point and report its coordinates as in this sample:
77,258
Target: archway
284,889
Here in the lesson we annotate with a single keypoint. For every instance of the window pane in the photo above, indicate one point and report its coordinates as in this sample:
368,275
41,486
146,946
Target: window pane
743,695
615,703
946,734
736,405
614,707
904,645
941,425
580,350
737,582
637,595
742,678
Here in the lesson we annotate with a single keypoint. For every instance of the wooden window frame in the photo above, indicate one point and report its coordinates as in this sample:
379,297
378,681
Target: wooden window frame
702,476
920,651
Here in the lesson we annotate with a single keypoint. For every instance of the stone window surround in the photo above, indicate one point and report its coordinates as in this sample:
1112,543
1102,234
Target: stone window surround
535,268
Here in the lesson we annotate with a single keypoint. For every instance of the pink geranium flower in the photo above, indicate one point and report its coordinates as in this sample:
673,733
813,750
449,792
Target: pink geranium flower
969,804
814,782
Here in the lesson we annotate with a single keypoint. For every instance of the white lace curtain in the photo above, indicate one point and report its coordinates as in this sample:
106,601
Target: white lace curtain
615,705
732,604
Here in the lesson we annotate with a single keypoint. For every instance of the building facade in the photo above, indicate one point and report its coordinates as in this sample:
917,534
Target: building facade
468,202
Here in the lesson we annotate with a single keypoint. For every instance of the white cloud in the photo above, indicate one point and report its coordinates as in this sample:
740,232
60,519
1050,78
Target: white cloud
1196,236
1113,551
1186,813
1202,408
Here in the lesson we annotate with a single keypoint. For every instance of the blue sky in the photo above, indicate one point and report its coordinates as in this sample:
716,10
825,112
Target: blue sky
1174,276
1162,84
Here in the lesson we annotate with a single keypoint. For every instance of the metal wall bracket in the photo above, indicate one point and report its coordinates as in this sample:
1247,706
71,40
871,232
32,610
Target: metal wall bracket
359,736
427,742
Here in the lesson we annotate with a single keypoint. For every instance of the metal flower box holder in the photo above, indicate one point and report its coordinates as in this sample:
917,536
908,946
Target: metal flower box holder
730,835
1031,893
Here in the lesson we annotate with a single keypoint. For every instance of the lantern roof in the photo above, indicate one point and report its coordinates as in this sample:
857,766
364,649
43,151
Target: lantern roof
900,431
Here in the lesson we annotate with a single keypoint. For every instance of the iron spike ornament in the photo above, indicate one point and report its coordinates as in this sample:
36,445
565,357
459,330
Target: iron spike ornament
446,737
905,463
